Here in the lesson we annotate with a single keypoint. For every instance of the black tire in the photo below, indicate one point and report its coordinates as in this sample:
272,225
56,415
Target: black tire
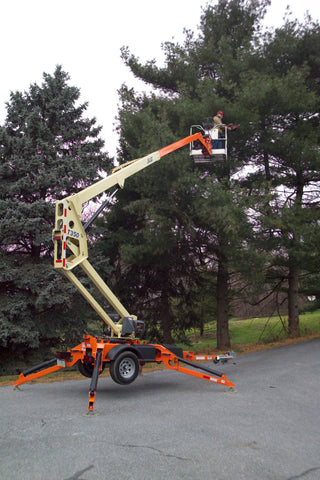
86,369
124,369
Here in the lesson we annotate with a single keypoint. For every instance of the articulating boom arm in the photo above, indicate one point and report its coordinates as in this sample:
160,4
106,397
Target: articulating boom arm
70,241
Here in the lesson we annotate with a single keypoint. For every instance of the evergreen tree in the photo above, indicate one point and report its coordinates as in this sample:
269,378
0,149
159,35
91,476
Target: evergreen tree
281,92
233,67
199,78
48,150
147,238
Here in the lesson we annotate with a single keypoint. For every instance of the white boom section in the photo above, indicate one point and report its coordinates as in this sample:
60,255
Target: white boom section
69,237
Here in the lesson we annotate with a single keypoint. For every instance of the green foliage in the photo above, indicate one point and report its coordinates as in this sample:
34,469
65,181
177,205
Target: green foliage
184,225
47,149
283,99
260,227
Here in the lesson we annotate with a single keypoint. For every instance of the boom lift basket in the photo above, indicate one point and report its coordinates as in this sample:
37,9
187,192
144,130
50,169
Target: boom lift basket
217,142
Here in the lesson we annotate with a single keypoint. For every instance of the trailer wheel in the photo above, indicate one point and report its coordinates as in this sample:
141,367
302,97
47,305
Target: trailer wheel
86,369
124,368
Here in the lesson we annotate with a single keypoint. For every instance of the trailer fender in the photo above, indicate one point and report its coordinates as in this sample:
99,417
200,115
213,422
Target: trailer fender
146,353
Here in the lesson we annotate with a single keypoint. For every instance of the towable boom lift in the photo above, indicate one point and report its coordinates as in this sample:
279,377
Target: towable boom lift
121,351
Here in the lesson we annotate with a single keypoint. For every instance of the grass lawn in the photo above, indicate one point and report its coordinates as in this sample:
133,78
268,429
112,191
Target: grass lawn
254,333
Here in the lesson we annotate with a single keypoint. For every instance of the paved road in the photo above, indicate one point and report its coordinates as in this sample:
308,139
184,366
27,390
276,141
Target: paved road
170,425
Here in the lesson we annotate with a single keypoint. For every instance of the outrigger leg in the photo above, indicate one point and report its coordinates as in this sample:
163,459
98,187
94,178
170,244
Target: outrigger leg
171,356
38,371
210,375
214,375
94,381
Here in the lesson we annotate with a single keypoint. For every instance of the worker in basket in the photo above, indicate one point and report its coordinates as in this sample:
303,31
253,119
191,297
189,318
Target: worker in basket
218,130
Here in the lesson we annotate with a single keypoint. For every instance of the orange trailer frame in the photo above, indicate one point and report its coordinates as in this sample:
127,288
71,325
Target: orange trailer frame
99,353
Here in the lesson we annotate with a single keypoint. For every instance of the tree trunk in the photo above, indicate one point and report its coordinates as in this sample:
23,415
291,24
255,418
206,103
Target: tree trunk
223,337
35,251
165,317
293,309
293,290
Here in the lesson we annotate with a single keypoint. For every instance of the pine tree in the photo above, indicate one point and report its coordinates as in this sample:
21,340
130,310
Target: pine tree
146,232
199,78
281,91
48,149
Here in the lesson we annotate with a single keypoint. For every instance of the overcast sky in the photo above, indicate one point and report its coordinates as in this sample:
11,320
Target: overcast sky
86,37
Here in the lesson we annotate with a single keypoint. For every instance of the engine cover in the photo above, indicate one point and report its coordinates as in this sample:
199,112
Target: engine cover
130,325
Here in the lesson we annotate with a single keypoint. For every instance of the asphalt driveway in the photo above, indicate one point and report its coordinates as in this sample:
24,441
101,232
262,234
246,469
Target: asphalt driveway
170,425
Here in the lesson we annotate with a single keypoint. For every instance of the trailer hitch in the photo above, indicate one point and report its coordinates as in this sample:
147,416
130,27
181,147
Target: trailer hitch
224,357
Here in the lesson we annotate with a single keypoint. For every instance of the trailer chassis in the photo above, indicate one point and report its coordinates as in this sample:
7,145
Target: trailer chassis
125,359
